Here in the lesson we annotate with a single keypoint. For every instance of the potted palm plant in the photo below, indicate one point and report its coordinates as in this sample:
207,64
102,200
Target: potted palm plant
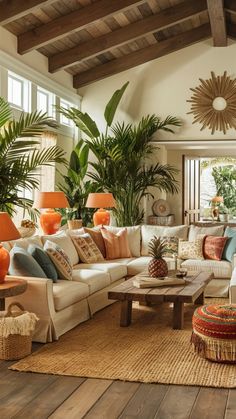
122,152
20,157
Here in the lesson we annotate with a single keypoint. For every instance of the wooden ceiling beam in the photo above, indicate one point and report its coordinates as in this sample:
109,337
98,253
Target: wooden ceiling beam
217,22
159,21
73,21
14,9
230,6
143,55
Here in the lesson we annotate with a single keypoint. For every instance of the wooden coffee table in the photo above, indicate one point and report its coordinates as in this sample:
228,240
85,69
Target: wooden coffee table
192,292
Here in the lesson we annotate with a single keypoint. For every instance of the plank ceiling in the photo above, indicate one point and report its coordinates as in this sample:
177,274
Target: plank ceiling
93,39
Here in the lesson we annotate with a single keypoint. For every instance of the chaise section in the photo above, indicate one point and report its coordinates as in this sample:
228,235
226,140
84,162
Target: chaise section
115,270
95,280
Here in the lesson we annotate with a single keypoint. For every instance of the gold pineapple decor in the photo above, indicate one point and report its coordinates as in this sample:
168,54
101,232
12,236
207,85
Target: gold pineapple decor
157,267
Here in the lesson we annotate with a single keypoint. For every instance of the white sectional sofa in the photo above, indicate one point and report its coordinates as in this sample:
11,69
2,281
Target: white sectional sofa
63,305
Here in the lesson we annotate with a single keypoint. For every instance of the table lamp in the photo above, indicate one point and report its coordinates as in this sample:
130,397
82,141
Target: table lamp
50,220
8,231
101,201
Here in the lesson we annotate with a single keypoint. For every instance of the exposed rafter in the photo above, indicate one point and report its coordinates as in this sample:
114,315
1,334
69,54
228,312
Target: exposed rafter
73,21
159,21
217,21
141,56
15,9
230,6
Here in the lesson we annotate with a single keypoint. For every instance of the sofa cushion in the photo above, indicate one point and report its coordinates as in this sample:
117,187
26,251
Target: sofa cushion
139,265
96,280
44,261
220,268
148,231
195,231
86,248
60,260
116,270
66,293
65,242
116,244
23,264
134,238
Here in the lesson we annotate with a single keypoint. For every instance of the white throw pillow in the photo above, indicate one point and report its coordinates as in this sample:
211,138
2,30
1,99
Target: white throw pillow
195,231
65,242
24,243
148,231
134,237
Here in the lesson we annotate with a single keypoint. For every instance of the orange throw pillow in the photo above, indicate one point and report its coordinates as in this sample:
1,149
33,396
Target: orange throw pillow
116,245
213,247
97,238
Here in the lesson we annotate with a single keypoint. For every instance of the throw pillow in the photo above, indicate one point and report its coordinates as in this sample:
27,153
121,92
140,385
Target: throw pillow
59,259
117,245
96,236
65,243
213,247
172,245
44,261
23,264
191,250
87,250
24,243
133,235
194,231
230,246
148,231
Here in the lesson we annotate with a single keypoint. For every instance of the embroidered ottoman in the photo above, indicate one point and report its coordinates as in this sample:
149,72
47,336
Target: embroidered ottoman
214,332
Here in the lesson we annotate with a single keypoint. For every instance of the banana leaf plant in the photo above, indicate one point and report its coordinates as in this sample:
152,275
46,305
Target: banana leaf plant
76,188
20,156
122,152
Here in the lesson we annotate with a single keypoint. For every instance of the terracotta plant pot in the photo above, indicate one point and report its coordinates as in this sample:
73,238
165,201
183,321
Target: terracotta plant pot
74,224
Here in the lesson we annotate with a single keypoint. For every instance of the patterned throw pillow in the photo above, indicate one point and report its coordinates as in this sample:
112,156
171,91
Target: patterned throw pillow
191,250
97,238
172,245
87,250
59,259
213,247
117,245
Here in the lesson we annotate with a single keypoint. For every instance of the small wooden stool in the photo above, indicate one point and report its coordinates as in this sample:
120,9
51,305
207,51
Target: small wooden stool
11,286
214,332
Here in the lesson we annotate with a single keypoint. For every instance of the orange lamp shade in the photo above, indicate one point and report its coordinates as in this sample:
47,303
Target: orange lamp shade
101,200
218,199
50,220
8,231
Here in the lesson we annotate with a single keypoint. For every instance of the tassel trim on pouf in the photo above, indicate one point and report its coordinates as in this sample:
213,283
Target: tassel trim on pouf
218,350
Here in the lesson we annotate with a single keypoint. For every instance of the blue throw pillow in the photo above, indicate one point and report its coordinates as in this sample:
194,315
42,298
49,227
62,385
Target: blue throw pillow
44,261
23,264
230,247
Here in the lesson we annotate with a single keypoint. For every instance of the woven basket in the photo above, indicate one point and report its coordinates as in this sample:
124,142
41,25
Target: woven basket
15,346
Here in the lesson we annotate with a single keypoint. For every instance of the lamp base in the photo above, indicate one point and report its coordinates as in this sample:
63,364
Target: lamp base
4,263
50,221
101,216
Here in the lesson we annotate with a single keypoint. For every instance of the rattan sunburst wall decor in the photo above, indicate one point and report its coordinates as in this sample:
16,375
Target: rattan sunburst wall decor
214,103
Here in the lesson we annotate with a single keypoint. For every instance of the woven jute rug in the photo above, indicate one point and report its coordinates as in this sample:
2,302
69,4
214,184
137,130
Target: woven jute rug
148,351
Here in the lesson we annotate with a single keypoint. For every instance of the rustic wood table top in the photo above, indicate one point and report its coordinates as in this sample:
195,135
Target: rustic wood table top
10,287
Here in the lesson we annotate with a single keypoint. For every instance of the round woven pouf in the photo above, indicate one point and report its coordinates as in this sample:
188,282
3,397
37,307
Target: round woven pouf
214,332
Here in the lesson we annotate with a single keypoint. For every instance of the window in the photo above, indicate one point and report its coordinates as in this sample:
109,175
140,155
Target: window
63,119
18,91
45,101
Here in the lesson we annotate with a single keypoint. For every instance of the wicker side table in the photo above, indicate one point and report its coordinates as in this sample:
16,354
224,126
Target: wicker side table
12,286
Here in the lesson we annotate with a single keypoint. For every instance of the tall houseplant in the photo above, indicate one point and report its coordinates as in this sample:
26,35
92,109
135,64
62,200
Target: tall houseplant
76,187
122,152
19,156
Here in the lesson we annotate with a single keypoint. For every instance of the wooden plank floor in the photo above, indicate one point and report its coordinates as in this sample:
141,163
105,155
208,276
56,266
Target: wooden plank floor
40,396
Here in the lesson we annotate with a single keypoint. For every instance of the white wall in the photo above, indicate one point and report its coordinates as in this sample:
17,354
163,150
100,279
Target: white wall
162,87
35,60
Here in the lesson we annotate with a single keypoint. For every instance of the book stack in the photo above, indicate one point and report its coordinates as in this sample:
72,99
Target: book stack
142,282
